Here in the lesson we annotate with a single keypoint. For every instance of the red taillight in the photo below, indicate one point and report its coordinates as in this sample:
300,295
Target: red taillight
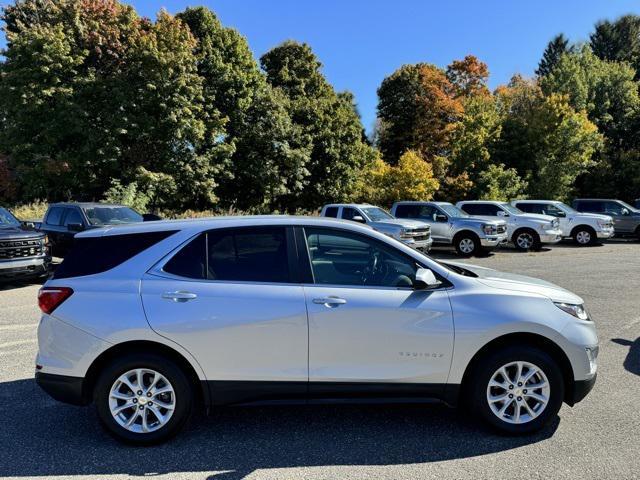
49,298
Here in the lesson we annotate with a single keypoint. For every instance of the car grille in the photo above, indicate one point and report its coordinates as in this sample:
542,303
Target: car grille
502,228
420,234
12,249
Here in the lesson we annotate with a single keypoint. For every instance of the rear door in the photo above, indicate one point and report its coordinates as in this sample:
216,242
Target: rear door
369,331
231,298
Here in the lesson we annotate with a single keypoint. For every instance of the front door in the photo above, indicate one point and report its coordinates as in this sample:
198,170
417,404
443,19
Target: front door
368,328
228,297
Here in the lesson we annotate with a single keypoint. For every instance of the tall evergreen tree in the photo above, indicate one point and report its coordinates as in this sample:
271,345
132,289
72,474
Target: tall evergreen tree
558,46
618,41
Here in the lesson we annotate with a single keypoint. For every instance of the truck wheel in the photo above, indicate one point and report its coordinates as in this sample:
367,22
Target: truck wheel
143,399
584,235
526,239
517,389
467,244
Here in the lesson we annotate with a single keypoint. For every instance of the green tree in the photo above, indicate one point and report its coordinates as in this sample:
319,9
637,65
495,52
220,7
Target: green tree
499,183
557,47
618,41
327,125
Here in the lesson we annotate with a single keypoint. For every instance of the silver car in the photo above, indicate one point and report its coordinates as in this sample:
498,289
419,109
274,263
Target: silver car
149,320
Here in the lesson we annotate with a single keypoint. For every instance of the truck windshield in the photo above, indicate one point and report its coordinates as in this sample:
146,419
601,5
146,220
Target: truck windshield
376,214
111,215
566,208
7,219
511,209
453,211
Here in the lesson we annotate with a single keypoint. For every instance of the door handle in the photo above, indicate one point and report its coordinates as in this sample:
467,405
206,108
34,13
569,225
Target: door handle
179,296
330,301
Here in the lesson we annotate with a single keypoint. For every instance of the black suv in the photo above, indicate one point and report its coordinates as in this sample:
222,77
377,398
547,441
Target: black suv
63,220
24,252
626,219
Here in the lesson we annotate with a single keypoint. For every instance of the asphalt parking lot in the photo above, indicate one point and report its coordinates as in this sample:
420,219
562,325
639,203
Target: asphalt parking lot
599,438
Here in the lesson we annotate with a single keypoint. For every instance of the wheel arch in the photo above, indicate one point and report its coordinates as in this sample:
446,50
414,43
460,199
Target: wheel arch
523,338
465,231
583,226
201,390
522,229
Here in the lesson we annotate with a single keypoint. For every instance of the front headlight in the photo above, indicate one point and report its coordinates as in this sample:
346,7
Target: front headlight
489,229
577,310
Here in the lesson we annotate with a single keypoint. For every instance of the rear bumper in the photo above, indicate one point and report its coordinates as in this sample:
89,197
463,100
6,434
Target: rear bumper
581,389
62,388
25,268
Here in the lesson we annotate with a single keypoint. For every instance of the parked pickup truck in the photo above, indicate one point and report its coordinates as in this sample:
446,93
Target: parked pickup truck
63,220
527,231
451,226
626,219
584,228
413,233
24,252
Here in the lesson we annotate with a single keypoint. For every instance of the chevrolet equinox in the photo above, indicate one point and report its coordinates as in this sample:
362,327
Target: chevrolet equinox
148,321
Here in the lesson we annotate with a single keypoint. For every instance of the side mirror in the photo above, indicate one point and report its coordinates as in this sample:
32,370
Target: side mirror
502,213
358,218
561,214
75,227
442,218
425,279
30,225
625,211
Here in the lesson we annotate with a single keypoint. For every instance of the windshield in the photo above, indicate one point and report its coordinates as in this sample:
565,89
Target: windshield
627,206
376,214
511,209
7,219
566,208
111,215
453,211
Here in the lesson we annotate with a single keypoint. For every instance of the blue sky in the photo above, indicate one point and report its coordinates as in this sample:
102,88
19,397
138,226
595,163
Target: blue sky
361,41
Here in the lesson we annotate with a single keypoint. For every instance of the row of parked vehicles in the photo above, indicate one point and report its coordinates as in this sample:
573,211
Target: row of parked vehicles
471,227
478,226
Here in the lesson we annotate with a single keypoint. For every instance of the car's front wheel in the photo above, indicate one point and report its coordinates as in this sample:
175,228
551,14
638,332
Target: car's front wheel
526,239
143,399
518,389
584,236
467,244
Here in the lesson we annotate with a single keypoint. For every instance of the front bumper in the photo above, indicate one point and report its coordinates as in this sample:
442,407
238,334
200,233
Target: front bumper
492,241
551,236
581,389
424,245
63,388
605,232
25,268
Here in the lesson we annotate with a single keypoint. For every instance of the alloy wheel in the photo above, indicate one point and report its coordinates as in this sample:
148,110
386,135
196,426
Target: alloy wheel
142,400
467,245
518,392
583,237
525,240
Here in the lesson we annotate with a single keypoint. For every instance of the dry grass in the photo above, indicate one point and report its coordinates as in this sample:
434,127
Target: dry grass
30,211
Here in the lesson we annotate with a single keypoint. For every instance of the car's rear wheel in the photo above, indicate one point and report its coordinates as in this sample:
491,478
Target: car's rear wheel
467,244
143,399
526,239
584,236
518,389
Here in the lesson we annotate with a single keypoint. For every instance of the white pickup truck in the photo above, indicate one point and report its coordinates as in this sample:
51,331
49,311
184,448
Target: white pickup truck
527,231
584,228
412,233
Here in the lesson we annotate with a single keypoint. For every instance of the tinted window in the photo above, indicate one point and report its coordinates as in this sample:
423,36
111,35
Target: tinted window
422,212
7,218
485,209
249,254
98,254
331,212
407,211
613,208
110,215
190,261
54,216
344,258
348,213
73,216
590,207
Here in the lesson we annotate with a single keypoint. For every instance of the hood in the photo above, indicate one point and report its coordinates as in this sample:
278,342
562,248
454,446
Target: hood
480,220
595,216
536,217
18,233
399,222
521,283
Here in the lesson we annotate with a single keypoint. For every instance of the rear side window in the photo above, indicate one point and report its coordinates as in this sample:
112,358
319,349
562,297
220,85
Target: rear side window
407,211
257,254
98,254
331,212
55,215
348,213
73,216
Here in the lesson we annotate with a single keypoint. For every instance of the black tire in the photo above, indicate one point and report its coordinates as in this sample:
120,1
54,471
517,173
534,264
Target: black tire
489,366
584,235
183,390
467,244
532,237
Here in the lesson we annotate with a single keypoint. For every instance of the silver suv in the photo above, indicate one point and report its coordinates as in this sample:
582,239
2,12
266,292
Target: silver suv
247,309
451,226
413,233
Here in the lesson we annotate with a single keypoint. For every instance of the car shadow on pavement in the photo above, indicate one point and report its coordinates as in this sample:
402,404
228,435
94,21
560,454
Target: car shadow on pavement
632,362
41,437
